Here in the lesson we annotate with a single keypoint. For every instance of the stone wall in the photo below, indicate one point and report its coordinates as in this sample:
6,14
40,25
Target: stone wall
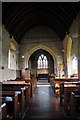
40,35
74,50
6,40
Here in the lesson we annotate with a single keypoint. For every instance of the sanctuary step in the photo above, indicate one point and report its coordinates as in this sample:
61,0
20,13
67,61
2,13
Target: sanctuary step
43,82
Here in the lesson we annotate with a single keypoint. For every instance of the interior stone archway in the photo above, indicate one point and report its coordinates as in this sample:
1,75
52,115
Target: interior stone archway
37,48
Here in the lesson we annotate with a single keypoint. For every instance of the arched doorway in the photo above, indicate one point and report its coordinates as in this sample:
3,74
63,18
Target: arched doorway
41,63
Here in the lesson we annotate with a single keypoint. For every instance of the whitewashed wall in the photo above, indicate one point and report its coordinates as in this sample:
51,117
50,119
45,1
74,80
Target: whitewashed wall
7,73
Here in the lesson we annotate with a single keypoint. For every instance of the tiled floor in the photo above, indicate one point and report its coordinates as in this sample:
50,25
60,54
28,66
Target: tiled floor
44,104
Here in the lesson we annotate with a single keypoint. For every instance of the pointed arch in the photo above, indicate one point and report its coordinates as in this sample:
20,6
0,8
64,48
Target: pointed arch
37,48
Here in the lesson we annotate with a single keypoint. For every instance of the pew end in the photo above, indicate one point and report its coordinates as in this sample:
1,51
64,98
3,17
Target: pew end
3,113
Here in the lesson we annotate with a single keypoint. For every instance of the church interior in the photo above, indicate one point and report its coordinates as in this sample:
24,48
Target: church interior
40,60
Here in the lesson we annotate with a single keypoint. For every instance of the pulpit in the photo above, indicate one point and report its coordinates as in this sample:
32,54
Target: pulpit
26,73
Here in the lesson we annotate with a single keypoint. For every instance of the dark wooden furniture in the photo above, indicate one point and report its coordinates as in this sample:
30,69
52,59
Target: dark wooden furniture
65,94
32,84
21,98
3,111
56,82
12,106
75,104
42,76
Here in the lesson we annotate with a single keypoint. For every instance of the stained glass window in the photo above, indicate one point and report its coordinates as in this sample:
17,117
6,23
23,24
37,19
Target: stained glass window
42,62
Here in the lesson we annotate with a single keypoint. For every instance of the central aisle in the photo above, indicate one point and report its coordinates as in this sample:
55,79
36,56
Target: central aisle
44,104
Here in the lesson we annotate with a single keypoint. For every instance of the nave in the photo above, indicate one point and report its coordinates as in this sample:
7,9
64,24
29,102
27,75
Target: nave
44,104
24,99
40,41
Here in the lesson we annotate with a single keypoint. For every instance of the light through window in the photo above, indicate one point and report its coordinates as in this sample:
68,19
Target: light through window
11,59
75,65
42,62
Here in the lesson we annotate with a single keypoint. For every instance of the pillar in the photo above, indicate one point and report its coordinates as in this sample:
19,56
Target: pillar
0,51
79,46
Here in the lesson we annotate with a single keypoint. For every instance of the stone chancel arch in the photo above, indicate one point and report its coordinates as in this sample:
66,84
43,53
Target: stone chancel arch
40,37
37,48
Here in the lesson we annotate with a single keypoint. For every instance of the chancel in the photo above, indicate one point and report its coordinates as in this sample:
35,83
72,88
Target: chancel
40,60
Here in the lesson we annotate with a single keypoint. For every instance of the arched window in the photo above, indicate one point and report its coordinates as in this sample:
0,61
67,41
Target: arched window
42,62
11,59
75,65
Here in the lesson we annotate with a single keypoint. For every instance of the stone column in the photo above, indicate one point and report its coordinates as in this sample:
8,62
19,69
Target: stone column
79,59
65,56
0,52
79,64
0,42
55,68
79,46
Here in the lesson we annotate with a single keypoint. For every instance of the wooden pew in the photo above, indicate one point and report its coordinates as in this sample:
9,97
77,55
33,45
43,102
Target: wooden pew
12,106
62,87
61,94
3,111
56,82
32,82
68,88
19,92
75,104
18,85
33,85
11,94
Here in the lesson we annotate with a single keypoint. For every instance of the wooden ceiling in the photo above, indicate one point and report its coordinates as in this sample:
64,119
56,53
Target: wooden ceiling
19,17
